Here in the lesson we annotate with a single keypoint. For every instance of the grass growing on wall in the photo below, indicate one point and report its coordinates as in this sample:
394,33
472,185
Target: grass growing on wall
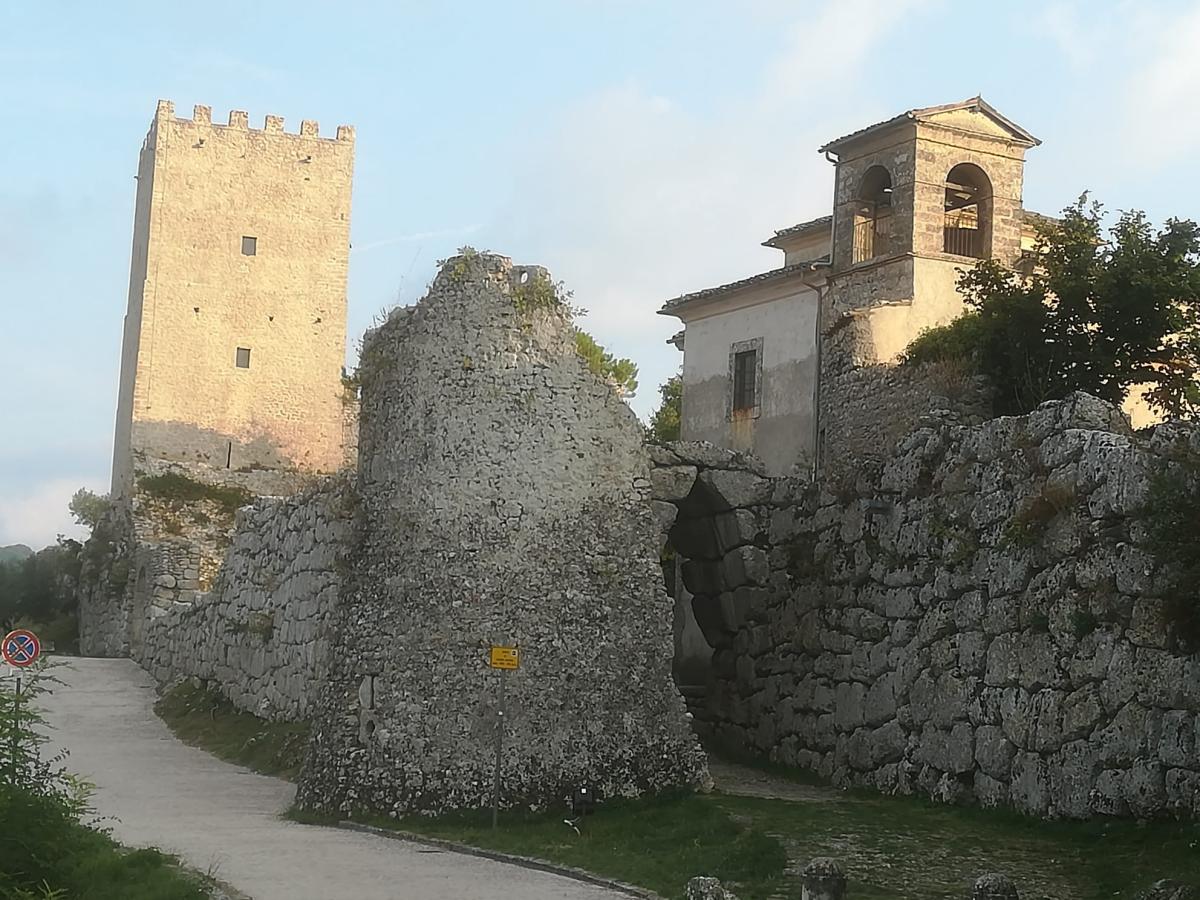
205,719
179,488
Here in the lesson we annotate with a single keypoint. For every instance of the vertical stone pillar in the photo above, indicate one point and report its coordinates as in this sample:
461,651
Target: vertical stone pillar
994,887
823,880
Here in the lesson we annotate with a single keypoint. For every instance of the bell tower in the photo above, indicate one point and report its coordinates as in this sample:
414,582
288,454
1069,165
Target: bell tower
916,199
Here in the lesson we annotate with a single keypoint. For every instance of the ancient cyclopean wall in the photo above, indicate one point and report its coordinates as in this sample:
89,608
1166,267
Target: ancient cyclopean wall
503,491
982,621
258,635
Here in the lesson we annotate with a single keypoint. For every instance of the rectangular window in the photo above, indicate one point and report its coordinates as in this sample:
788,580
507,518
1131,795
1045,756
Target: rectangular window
745,375
243,357
249,246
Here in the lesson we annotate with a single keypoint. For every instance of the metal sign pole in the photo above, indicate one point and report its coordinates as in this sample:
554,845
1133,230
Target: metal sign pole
16,728
499,750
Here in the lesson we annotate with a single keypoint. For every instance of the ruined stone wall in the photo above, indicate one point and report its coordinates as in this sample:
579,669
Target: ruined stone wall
503,491
983,621
161,545
197,295
258,634
868,409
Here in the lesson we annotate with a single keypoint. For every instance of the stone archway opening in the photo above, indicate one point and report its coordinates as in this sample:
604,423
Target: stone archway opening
711,508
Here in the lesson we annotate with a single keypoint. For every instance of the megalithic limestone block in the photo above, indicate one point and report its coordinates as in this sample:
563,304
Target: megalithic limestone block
504,498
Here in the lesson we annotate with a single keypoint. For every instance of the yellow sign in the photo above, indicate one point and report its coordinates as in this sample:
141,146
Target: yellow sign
505,658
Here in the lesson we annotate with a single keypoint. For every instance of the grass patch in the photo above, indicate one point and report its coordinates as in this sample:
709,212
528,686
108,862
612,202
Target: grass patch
657,843
205,719
45,853
176,487
893,848
896,848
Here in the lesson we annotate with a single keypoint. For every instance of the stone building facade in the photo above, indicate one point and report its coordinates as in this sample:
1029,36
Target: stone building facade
235,333
782,364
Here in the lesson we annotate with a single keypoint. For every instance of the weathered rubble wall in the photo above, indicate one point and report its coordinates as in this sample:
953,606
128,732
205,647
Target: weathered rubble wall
194,584
867,409
503,491
258,635
984,620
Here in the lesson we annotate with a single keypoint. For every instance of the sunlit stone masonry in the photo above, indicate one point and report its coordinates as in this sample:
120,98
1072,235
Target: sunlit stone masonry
503,494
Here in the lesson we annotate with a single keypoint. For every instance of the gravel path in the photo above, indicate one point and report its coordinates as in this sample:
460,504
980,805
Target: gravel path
153,790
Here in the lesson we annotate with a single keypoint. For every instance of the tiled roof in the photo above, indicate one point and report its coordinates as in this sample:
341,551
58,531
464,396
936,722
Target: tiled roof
927,111
1033,218
811,225
761,278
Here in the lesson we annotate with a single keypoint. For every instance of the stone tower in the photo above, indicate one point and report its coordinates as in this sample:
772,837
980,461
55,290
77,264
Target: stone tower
916,199
235,332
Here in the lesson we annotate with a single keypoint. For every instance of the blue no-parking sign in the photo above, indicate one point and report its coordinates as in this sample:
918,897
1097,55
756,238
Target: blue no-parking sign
20,648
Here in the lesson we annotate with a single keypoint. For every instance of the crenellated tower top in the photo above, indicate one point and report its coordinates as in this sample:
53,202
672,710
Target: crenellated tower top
239,119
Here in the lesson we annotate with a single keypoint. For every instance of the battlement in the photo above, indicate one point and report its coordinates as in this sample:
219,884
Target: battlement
239,119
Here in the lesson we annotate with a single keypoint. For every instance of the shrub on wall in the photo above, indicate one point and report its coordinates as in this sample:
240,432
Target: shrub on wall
177,488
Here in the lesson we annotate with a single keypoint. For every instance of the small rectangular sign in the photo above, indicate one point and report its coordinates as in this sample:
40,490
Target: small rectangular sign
505,658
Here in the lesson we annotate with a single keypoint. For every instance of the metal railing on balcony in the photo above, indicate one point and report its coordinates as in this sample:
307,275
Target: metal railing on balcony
962,234
872,237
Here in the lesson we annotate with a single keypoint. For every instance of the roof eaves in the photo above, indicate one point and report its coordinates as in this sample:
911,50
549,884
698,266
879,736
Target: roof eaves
926,111
822,222
712,293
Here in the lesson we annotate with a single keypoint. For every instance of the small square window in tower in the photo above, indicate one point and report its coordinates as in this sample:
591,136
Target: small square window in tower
249,245
243,357
745,376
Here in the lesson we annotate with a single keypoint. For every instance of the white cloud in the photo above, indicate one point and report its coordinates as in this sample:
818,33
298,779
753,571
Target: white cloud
1161,124
1143,58
37,514
632,199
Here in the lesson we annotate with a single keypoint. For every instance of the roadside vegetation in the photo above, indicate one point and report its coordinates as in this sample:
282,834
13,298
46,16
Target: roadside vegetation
893,848
205,719
48,851
39,590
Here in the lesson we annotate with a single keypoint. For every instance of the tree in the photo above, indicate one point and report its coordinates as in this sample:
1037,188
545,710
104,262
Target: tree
88,507
42,590
665,422
620,373
1098,314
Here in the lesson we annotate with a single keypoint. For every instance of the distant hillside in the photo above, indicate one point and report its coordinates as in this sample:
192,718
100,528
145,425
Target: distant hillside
14,553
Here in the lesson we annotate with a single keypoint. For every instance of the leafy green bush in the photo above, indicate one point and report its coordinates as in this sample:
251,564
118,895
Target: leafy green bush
1098,313
620,373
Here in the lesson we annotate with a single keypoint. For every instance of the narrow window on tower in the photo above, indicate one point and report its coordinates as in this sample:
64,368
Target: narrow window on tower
249,246
243,357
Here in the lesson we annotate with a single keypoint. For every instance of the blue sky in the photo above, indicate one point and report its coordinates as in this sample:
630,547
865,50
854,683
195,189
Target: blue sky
637,149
